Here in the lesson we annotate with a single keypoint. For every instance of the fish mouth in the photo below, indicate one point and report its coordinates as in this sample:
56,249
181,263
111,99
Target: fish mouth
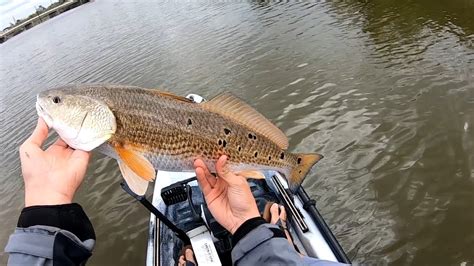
43,114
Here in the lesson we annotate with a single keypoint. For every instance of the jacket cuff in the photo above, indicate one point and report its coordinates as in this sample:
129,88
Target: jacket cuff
245,228
70,217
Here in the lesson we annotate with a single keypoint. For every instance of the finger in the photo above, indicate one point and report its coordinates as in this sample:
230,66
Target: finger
282,213
210,178
39,135
200,163
222,169
203,182
79,160
182,261
274,213
190,255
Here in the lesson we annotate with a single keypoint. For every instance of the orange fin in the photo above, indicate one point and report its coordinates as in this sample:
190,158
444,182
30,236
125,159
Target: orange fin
170,95
137,163
299,172
137,184
235,109
251,174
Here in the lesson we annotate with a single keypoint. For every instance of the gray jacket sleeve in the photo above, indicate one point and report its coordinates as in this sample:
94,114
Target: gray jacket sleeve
47,235
265,244
260,247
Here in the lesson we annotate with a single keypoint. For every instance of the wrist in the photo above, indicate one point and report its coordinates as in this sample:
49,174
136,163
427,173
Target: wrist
34,198
242,221
246,227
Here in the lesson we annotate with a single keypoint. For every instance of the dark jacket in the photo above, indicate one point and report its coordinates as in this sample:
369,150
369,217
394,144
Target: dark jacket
51,235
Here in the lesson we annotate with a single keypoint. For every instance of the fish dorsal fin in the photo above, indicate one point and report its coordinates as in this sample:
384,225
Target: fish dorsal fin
170,95
228,105
137,184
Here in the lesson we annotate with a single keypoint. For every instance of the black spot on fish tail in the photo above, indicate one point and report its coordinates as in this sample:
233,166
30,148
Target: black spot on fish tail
299,160
254,137
269,158
256,154
282,155
226,131
220,142
250,135
240,148
190,122
224,143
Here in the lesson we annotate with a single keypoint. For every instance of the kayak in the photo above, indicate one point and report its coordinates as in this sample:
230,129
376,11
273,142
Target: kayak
211,243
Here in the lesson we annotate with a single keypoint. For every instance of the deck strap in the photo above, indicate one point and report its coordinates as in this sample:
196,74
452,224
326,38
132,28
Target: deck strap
179,233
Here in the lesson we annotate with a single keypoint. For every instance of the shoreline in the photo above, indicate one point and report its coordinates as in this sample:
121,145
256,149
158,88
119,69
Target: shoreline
47,14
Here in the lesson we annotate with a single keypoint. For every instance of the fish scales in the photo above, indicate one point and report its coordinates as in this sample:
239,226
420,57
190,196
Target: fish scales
171,132
159,127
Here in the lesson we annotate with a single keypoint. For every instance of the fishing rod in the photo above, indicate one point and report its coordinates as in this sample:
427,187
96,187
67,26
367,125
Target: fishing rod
310,206
142,199
288,202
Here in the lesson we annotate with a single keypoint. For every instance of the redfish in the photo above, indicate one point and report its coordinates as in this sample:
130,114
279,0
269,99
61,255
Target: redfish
147,130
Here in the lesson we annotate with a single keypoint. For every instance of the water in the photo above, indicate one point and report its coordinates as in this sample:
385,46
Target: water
384,89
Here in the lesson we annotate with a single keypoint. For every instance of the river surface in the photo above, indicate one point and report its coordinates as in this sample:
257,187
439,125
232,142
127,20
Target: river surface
384,89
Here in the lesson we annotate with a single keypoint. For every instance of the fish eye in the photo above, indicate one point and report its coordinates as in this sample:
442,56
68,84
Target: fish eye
56,99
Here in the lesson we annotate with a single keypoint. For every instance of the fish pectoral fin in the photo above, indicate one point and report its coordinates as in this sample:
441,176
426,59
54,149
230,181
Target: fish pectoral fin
137,163
251,174
231,107
137,184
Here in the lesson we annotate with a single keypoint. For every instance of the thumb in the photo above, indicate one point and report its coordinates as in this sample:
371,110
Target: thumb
39,135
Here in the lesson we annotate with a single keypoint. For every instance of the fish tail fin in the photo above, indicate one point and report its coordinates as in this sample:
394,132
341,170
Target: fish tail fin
299,172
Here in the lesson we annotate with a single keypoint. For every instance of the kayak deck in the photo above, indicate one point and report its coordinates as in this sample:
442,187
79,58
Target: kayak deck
314,239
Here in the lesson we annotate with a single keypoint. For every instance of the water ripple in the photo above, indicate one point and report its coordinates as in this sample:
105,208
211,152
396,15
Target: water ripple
383,89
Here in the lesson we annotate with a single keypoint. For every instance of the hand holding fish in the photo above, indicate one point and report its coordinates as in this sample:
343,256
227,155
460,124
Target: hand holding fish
51,176
228,195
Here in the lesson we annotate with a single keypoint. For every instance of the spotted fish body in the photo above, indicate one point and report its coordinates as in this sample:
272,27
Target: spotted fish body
169,132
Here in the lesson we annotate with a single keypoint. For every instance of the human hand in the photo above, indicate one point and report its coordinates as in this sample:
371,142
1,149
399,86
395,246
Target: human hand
51,176
228,196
